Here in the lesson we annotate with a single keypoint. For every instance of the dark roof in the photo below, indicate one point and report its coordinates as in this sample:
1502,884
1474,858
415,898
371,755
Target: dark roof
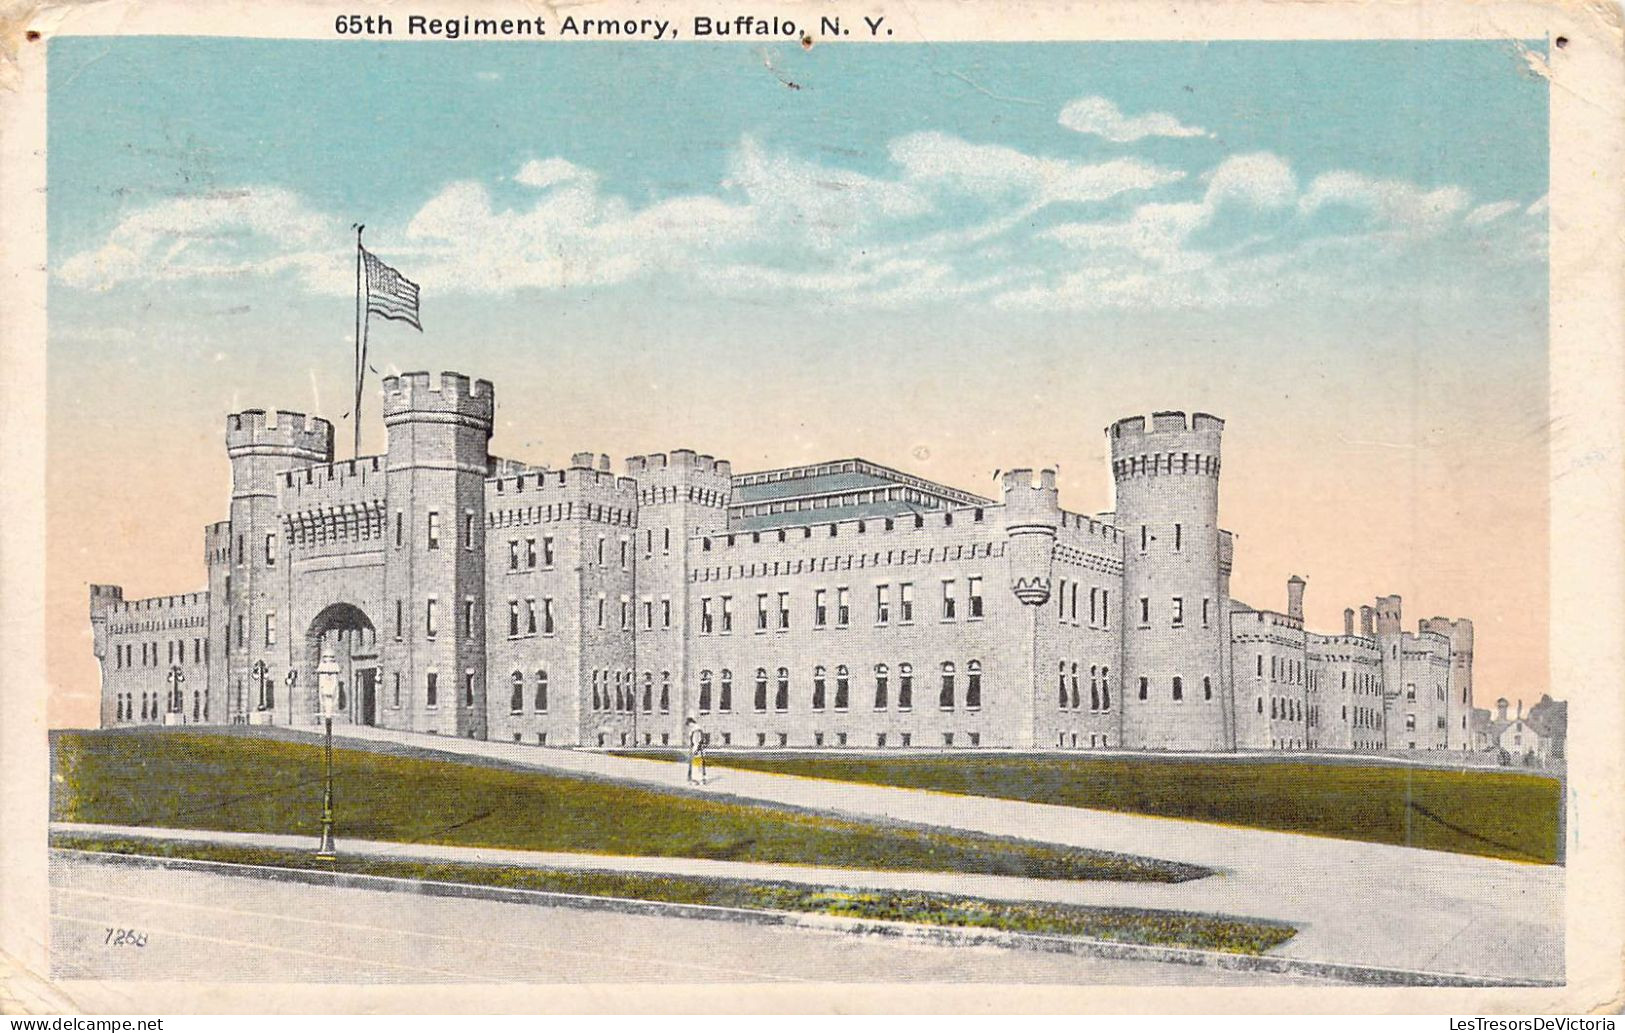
841,489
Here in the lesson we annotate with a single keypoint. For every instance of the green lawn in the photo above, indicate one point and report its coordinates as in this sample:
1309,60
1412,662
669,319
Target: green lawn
1120,925
257,784
1495,814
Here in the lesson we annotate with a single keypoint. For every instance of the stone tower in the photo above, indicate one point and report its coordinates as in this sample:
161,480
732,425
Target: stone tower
1032,516
1459,709
1175,692
438,458
254,575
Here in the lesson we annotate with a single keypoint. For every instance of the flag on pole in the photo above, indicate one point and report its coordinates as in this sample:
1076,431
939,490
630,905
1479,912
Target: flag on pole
389,294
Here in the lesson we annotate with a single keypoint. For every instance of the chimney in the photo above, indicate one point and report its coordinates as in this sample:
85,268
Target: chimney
1501,709
1294,597
1520,708
581,459
1366,617
1348,621
603,464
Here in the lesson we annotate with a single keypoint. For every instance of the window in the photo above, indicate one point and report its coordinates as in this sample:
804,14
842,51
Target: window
905,602
468,530
843,683
530,554
1145,687
1144,537
400,528
784,611
1074,603
705,615
1105,688
761,611
434,529
239,552
648,614
600,550
513,618
431,689
882,604
905,688
1145,611
530,616
818,688
973,593
820,608
665,692
626,552
1179,610
945,698
973,686
648,691
270,629
1179,537
468,688
548,626
431,624
541,690
270,550
1261,665
1207,687
843,607
400,608
1105,606
1094,688
705,692
1205,605
665,611
468,618
761,688
1410,690
242,636
516,700
781,693
1094,594
547,551
513,554
950,604
880,686
727,614
1410,722
626,614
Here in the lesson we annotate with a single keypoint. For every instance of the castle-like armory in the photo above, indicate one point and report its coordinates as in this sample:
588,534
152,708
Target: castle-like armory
837,604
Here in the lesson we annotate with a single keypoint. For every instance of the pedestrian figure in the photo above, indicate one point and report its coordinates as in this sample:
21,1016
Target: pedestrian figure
696,753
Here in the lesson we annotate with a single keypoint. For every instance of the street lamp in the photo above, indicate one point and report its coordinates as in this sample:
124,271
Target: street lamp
327,687
260,705
176,678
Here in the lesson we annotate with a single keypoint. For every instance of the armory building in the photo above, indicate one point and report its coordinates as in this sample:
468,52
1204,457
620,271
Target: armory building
837,604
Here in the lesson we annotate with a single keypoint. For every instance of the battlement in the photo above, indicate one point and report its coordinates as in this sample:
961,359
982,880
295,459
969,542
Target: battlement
902,528
217,543
680,462
1358,643
182,601
1172,445
344,481
105,596
580,492
1029,504
1094,527
252,432
426,396
1459,631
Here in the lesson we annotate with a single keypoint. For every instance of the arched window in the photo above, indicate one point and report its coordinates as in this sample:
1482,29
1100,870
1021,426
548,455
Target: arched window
973,685
1179,687
781,693
1094,688
595,701
905,686
880,686
725,692
541,690
665,692
1273,714
648,691
843,684
631,689
705,691
1207,687
818,688
1061,680
761,688
1077,699
517,702
945,698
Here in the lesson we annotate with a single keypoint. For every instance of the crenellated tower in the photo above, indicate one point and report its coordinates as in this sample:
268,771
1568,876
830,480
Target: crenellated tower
254,575
1032,512
1459,710
102,599
1175,686
432,631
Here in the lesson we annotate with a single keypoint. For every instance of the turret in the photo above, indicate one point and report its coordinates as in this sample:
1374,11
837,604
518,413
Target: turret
1294,597
439,435
1032,512
1348,621
102,599
1176,593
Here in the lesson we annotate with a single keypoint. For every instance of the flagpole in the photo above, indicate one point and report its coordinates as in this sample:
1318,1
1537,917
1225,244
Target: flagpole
360,347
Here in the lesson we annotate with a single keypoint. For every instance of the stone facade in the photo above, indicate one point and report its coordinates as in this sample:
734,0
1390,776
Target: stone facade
830,605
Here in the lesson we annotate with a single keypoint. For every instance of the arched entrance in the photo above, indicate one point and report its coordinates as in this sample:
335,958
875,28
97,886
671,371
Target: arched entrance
349,635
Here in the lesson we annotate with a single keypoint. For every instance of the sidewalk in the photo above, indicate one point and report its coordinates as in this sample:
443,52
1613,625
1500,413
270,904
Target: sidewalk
1353,903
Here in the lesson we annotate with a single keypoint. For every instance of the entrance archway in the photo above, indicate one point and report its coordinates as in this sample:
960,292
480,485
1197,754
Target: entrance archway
348,633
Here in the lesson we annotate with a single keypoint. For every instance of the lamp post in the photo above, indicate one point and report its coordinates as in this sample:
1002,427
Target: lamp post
176,678
291,679
327,687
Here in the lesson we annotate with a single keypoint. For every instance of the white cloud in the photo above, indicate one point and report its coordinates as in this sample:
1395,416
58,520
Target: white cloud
1489,212
1098,116
1389,201
991,171
254,230
550,172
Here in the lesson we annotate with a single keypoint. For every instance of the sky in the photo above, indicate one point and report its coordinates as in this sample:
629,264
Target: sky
950,258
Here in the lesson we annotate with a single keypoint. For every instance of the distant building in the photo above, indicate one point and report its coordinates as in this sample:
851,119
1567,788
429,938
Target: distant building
834,604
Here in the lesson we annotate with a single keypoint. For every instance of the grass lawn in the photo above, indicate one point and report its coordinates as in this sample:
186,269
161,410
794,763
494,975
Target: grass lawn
1120,925
255,784
1491,813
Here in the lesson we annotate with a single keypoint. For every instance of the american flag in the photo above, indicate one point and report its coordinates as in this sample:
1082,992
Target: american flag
389,294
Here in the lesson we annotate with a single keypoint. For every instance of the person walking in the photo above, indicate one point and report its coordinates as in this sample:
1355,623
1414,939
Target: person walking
696,753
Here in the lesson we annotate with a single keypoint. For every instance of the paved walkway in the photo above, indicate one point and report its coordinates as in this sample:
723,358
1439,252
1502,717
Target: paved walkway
1354,903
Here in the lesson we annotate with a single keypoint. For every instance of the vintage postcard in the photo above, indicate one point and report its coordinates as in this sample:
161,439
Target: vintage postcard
813,507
